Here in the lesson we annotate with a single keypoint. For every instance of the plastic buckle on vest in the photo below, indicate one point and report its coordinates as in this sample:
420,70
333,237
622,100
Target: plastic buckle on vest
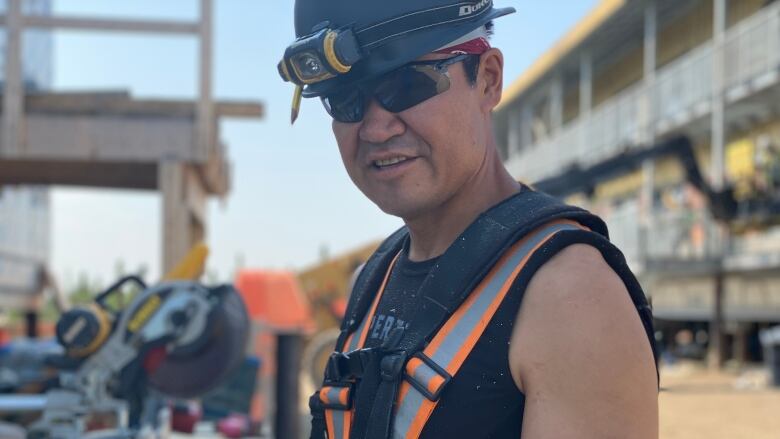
348,366
393,359
426,376
316,407
392,365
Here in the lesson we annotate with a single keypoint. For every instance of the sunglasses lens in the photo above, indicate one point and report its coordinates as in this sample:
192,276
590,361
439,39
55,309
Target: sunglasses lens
409,86
397,91
346,106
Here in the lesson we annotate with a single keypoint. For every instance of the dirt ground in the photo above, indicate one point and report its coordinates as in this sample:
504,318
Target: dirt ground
698,403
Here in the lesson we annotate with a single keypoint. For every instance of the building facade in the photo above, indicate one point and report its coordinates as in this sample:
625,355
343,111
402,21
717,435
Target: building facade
25,211
631,76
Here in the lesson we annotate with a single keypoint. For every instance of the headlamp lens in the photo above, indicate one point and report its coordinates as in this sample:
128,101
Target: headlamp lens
309,66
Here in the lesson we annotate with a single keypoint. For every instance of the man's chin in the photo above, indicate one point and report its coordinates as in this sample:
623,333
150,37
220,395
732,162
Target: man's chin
403,209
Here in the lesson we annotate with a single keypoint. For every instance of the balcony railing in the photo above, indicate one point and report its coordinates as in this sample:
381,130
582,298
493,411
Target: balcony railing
753,47
672,237
675,240
681,92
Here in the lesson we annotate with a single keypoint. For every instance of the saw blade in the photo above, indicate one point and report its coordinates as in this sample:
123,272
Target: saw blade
194,374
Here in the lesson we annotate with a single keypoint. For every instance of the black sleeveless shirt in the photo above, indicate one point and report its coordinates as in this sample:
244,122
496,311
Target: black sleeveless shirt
482,400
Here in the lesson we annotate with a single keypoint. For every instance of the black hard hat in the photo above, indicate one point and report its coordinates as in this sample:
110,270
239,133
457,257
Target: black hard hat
391,33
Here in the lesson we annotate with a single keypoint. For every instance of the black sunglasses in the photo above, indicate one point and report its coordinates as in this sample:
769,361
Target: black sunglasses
399,90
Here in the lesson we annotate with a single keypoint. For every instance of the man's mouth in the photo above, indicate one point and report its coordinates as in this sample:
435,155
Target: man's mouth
386,163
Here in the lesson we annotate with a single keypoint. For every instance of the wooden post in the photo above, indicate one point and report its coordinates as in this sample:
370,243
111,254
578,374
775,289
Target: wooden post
205,129
740,344
586,102
13,90
717,157
647,133
716,348
556,103
183,211
717,121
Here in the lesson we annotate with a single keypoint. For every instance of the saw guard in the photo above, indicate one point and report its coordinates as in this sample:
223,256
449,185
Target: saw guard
223,350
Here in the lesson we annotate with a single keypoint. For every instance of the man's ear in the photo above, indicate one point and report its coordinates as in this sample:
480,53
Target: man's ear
491,78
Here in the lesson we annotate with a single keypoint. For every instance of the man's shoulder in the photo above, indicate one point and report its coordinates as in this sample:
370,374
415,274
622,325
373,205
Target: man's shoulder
578,314
580,353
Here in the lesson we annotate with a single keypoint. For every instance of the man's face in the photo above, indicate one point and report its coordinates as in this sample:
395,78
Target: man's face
411,162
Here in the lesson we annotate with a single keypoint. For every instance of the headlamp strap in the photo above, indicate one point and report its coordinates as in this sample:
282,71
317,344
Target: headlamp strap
378,33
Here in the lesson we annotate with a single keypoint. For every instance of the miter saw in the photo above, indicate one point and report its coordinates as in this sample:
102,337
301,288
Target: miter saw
178,339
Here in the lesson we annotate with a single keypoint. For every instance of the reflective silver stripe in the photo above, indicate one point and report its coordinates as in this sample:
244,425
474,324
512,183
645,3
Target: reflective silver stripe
354,344
452,343
424,374
338,424
332,395
412,402
406,412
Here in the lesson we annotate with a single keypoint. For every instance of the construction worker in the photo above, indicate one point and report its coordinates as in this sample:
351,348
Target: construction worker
435,342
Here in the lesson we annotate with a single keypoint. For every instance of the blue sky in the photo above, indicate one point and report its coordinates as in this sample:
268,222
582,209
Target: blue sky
291,197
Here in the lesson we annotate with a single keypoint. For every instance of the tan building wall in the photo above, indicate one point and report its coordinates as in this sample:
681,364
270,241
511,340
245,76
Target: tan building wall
610,80
571,104
684,34
741,9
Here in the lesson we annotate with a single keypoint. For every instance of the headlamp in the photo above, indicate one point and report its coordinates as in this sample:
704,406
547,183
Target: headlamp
336,45
320,56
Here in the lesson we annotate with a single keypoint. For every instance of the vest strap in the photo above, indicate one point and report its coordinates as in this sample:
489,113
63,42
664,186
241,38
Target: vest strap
335,402
453,343
318,428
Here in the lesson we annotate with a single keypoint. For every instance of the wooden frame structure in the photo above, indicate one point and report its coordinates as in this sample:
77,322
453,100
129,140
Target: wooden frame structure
111,140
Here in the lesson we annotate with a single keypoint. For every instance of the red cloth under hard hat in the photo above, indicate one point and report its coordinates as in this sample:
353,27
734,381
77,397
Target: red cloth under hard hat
474,43
477,46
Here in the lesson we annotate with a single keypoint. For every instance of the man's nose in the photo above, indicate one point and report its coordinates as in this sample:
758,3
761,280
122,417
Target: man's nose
380,125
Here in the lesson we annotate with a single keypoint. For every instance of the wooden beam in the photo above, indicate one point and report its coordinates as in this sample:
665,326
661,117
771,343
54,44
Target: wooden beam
120,102
240,109
109,25
107,138
79,173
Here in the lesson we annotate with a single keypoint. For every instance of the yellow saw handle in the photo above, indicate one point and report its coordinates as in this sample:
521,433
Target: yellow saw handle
191,266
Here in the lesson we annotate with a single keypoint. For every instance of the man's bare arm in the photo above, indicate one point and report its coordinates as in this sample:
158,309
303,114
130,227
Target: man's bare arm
580,354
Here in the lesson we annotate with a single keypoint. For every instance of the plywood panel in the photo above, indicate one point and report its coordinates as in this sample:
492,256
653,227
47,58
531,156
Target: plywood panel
107,138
